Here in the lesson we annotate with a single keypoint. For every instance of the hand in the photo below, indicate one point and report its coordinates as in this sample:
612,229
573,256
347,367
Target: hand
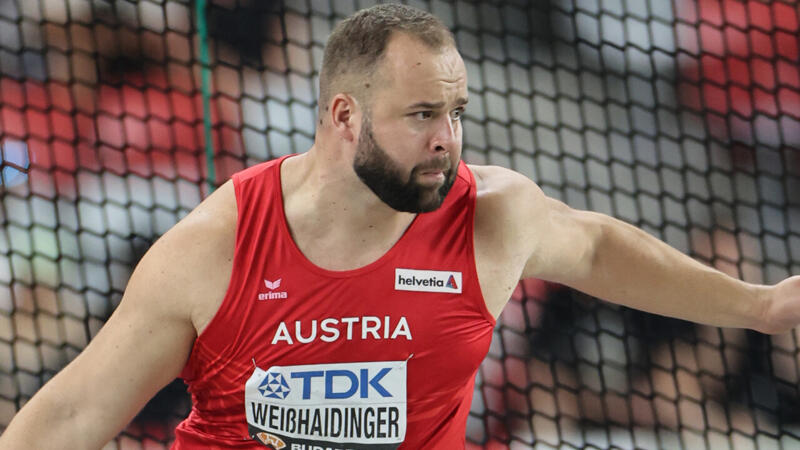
782,309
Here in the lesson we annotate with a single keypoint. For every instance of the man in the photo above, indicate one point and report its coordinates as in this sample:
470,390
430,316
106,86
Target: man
345,297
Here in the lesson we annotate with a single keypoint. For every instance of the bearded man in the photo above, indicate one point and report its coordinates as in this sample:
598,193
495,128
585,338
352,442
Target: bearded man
345,297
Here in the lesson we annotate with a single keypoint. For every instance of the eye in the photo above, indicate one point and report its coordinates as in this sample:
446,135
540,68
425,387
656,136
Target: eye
456,114
422,115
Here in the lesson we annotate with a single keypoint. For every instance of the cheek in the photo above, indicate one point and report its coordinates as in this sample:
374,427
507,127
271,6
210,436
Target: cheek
414,134
459,140
400,133
405,143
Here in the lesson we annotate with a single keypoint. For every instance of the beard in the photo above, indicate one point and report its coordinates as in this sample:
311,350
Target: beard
385,178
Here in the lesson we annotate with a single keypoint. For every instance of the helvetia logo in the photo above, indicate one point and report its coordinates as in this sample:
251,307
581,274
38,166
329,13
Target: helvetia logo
451,282
272,295
427,281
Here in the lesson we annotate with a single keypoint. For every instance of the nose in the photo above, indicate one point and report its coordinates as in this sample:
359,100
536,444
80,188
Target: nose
445,137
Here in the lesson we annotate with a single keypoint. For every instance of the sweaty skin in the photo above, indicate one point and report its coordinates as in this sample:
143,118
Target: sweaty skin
340,224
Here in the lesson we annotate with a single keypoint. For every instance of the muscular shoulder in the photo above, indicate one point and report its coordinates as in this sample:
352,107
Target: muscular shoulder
506,198
185,273
209,228
516,221
499,185
508,207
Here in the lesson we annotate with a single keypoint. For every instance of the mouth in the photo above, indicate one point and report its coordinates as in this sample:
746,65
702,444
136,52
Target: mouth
432,176
439,168
435,172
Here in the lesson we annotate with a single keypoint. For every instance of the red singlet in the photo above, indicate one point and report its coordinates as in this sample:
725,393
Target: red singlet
303,358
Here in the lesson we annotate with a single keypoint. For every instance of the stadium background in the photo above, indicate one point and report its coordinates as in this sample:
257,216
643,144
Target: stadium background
682,117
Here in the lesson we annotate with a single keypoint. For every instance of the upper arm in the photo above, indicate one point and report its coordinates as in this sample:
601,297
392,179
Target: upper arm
543,236
564,242
147,340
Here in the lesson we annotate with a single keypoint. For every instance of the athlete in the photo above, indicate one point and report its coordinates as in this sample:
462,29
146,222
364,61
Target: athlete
345,297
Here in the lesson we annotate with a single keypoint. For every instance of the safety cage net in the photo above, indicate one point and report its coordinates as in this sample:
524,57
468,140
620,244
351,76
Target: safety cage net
681,117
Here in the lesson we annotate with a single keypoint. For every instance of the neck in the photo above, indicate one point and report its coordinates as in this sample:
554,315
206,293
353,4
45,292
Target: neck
334,219
322,183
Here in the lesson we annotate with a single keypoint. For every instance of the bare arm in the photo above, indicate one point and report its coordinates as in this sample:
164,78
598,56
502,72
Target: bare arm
145,343
625,265
612,260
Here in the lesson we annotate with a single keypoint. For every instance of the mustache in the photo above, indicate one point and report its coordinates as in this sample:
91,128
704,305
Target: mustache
443,163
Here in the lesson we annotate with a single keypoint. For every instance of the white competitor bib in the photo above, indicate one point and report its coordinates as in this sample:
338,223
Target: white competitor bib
328,406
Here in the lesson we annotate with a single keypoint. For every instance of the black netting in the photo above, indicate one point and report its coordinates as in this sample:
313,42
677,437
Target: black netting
681,117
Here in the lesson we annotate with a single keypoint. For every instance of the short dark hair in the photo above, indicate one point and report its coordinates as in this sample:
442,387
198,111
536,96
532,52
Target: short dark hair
357,44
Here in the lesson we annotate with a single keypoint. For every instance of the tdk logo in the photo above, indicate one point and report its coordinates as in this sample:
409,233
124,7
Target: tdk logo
274,386
332,406
343,383
427,281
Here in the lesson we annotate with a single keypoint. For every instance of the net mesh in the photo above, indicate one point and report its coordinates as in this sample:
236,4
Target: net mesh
680,117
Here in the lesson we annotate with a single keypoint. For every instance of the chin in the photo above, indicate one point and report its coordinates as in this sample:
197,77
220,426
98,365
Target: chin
431,203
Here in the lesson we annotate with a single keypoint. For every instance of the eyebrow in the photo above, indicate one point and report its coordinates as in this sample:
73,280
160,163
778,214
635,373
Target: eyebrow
461,101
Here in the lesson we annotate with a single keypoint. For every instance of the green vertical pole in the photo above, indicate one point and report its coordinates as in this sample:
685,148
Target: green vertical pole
205,74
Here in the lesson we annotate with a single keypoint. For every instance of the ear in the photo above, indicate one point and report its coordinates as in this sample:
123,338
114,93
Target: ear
345,116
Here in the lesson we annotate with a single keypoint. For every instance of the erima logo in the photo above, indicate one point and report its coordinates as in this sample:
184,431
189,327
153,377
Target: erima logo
427,281
272,285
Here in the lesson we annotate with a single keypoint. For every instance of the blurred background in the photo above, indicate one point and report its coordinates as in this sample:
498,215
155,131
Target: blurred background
681,117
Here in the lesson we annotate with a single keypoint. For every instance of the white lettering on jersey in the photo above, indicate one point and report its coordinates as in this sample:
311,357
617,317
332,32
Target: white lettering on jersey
402,329
330,330
299,334
328,326
282,335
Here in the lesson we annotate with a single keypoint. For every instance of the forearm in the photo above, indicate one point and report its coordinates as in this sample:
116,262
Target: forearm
52,420
88,402
632,268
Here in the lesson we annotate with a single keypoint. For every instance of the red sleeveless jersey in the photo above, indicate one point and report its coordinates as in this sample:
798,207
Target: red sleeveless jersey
299,357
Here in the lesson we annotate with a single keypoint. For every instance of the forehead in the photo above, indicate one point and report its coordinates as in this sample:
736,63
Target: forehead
413,69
